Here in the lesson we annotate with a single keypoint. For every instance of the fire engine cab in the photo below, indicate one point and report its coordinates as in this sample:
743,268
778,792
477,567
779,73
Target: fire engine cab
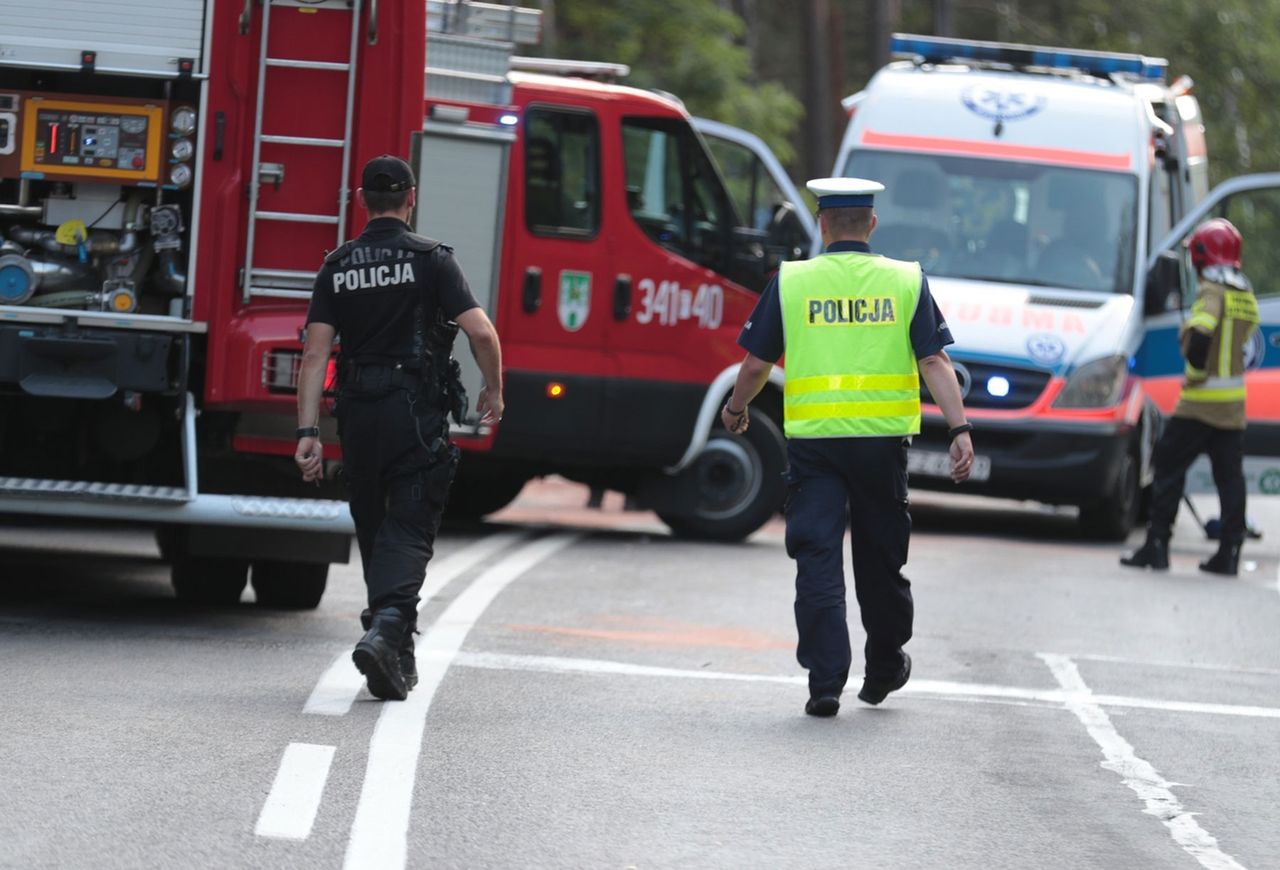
1046,193
596,227
172,173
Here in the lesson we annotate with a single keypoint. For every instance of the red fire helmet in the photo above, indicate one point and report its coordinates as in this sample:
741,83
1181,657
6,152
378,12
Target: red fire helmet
1215,242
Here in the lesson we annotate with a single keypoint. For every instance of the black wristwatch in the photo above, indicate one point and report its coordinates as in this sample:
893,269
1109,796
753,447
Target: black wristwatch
308,432
959,430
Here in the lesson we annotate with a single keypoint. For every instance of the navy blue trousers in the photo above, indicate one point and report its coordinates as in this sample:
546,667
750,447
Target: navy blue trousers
859,484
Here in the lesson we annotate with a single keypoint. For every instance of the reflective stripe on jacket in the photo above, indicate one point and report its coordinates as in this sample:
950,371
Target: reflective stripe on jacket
850,367
1216,394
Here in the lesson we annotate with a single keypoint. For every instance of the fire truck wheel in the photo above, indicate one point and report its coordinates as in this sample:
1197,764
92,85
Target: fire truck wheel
738,484
206,580
475,494
289,585
1114,516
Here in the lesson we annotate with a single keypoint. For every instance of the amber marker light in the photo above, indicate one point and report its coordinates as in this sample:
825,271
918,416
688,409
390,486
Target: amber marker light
555,390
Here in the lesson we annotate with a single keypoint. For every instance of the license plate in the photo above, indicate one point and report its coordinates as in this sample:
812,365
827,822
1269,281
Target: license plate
929,463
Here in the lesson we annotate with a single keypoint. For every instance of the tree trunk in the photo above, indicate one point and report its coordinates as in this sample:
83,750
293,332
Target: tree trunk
817,84
885,15
943,20
548,27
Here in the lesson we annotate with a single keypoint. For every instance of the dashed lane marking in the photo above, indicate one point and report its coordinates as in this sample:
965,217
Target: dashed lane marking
291,807
1139,775
341,683
379,834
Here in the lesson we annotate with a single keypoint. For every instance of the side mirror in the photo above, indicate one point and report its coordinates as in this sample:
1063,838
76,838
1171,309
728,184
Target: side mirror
786,237
1164,285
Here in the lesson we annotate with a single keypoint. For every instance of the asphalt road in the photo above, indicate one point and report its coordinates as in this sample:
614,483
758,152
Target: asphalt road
596,694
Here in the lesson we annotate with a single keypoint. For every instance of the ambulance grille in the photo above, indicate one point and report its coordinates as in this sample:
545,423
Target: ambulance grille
1064,302
1021,386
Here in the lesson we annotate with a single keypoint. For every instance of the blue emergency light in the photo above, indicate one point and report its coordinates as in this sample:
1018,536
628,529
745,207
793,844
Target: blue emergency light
937,49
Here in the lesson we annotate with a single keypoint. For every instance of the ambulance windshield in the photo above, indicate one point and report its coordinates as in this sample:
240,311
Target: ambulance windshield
1017,223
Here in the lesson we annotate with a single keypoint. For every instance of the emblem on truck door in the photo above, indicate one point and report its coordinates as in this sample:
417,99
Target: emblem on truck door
575,299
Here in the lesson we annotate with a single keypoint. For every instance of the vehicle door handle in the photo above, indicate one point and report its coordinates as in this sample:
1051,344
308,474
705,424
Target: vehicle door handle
622,297
532,289
245,17
373,22
219,134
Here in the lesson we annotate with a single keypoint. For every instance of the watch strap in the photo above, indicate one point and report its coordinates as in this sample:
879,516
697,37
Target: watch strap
308,432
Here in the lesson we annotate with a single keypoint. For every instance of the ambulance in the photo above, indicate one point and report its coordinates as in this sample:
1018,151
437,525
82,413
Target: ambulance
1046,193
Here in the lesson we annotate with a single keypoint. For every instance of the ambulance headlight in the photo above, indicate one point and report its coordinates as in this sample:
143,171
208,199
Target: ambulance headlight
1098,384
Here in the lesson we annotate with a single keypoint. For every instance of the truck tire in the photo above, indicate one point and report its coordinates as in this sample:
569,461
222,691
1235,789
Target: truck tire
476,494
1114,516
737,480
289,585
206,580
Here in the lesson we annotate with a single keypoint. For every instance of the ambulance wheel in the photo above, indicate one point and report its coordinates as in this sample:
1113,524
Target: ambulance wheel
207,580
289,585
737,481
1113,517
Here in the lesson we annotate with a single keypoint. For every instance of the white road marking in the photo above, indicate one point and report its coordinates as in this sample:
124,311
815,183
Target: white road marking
379,834
291,807
341,683
924,688
1166,663
1139,775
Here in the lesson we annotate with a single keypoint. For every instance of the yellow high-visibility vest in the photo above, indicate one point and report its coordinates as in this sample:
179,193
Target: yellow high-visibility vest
850,367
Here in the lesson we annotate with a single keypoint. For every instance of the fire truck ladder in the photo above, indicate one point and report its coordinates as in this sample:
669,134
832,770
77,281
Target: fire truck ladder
289,283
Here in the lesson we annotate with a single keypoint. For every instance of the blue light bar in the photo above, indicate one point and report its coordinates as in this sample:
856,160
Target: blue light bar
937,49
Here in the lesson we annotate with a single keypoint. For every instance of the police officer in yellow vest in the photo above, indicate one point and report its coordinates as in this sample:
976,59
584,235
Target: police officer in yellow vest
1210,416
859,332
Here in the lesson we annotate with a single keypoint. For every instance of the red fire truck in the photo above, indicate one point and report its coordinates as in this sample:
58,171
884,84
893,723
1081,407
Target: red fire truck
171,174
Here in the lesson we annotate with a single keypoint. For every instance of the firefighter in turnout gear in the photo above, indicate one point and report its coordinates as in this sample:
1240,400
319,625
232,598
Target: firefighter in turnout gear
859,332
397,300
1210,415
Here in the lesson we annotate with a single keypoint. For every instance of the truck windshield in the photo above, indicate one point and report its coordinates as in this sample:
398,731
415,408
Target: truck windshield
1016,223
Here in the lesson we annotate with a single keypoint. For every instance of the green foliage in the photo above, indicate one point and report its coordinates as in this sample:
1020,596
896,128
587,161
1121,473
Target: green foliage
690,48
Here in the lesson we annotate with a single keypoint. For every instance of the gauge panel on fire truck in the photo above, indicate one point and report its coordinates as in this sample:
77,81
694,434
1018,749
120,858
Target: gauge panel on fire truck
93,140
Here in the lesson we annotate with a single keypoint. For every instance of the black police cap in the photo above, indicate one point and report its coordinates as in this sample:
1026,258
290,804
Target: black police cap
387,174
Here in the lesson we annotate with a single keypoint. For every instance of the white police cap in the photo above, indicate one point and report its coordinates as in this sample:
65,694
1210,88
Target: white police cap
844,192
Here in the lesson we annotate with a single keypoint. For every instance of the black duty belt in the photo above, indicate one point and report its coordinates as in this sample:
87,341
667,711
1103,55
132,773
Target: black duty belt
378,376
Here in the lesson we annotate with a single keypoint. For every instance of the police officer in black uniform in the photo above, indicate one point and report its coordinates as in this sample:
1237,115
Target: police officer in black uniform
397,300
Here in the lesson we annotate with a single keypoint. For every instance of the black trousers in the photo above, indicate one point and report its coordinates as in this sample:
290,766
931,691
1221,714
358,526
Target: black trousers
1182,441
859,483
398,487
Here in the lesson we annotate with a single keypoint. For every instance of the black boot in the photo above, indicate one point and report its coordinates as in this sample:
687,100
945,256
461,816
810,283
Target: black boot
377,655
1153,554
1226,561
408,664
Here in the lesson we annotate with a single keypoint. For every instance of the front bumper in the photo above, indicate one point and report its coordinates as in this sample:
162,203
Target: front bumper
1052,463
